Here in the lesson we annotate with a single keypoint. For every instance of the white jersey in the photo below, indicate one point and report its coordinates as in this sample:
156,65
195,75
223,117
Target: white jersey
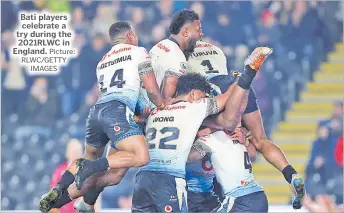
231,163
208,60
167,60
171,132
119,72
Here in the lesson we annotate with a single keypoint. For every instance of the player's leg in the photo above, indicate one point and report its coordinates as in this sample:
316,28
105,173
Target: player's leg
255,202
142,196
92,188
202,202
95,142
125,136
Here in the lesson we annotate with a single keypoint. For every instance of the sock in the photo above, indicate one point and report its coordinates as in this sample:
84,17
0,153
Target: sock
100,165
246,78
288,172
66,180
64,199
92,195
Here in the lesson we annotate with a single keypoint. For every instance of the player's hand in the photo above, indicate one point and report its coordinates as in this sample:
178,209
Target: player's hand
144,115
238,135
323,203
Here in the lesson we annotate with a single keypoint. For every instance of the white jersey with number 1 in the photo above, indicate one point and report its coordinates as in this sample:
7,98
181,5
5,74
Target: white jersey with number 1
208,60
119,71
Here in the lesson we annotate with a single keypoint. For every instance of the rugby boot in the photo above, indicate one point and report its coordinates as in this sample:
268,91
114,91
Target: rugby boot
257,57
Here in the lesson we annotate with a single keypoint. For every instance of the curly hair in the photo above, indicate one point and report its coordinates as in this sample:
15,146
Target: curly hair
192,81
180,18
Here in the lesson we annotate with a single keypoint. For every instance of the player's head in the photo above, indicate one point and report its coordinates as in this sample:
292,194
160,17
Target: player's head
192,87
186,23
123,32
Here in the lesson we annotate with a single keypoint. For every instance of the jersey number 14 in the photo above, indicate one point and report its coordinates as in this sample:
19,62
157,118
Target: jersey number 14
116,80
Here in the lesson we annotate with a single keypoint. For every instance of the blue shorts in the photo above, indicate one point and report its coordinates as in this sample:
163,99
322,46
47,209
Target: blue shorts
159,192
202,202
112,121
254,202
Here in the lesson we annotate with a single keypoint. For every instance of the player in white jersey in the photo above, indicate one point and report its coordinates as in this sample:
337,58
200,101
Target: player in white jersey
170,133
208,60
119,74
252,117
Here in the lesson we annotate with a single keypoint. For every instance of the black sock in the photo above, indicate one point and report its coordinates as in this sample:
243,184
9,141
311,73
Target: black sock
66,180
288,172
64,199
100,165
246,77
92,195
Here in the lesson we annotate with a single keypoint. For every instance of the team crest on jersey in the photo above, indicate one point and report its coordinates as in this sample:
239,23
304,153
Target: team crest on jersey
116,128
183,66
168,208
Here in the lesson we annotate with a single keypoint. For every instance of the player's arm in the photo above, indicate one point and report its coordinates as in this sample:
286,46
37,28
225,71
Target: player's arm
176,67
147,76
198,151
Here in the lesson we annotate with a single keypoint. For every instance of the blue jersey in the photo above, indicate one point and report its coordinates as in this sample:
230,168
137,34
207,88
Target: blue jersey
200,175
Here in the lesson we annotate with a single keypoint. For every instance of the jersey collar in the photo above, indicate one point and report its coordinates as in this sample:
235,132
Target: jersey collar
174,40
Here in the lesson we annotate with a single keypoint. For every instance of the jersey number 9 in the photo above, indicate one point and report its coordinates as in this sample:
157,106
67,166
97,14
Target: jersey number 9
116,80
151,135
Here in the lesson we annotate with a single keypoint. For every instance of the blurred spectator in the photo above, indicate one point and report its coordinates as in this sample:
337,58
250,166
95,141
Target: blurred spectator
58,6
78,22
14,82
39,113
143,31
158,34
73,151
269,33
32,5
8,16
88,6
323,203
104,19
338,153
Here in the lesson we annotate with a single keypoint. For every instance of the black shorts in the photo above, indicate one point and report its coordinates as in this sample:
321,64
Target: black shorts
112,121
202,202
158,192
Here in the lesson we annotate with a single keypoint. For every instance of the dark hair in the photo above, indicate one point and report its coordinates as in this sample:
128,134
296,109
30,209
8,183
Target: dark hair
180,18
118,28
192,81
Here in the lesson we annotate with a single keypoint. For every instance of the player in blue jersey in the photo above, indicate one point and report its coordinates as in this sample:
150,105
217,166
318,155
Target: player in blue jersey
119,74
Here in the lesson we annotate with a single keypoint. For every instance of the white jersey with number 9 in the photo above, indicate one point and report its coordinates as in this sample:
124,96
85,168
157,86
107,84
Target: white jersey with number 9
208,60
119,72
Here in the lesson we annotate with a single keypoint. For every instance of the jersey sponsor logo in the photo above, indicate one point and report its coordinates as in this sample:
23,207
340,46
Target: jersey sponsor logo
163,47
206,53
206,165
183,66
116,128
116,61
116,52
168,208
163,119
203,174
154,111
203,45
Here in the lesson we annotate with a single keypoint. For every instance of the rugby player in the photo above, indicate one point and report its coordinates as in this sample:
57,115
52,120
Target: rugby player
119,73
169,55
209,60
160,185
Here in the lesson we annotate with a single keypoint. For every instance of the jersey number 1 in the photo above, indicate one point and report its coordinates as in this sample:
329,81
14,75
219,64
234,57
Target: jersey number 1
207,64
119,82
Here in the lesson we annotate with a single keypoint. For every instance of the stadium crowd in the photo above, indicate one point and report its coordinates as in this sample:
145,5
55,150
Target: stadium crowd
42,113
